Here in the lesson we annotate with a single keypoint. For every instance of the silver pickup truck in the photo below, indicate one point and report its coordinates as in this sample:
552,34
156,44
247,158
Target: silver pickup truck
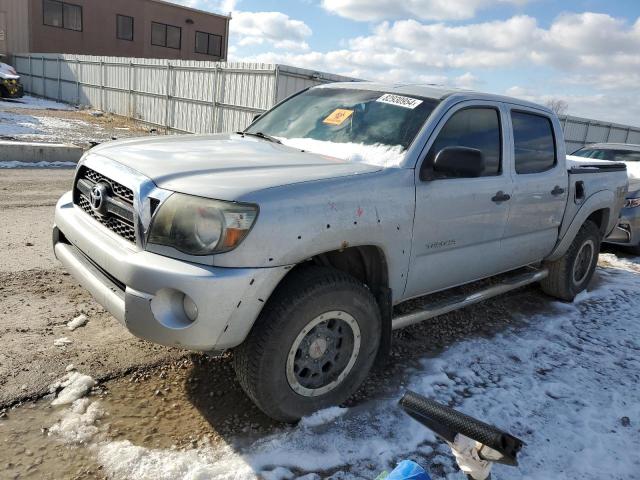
293,242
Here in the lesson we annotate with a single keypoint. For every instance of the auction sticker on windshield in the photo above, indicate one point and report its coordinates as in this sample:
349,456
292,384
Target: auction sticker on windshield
338,116
399,100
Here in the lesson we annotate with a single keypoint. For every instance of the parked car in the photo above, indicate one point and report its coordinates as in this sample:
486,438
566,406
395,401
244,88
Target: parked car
10,86
627,231
292,241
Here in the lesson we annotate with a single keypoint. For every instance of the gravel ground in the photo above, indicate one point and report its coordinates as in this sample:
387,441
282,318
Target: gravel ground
37,298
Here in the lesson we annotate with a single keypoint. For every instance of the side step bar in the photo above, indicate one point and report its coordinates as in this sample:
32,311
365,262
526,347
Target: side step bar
435,309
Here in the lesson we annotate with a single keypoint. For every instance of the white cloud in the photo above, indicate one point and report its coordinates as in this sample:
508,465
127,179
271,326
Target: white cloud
375,10
278,29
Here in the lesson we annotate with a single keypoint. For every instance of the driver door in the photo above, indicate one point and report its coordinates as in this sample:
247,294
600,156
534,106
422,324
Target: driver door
460,222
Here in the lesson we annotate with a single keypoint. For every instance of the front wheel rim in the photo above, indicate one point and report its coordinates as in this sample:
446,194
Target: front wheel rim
583,262
323,353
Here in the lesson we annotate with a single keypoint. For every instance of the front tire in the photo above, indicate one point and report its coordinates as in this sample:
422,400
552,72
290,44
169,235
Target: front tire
312,346
570,274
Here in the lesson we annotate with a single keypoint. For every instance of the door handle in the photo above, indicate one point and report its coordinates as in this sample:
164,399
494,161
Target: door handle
501,197
557,191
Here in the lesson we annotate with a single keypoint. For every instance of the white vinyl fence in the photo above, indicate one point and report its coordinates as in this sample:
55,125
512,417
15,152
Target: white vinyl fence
209,97
183,95
582,131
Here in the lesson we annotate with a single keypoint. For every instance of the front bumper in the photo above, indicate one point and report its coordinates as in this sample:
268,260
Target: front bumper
627,231
137,287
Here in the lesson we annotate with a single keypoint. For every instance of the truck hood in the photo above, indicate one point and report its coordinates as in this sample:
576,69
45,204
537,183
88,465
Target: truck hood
225,166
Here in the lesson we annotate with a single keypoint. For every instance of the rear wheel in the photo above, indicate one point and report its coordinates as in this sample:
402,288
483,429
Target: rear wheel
570,274
313,345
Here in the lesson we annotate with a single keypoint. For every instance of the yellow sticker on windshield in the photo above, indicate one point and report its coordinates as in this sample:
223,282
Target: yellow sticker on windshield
338,116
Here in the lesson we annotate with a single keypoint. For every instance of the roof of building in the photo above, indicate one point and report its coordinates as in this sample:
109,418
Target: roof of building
172,4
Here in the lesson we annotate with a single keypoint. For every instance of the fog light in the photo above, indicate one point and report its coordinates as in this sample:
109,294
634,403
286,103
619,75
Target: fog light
190,308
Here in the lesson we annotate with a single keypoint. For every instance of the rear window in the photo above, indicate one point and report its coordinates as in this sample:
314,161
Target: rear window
610,154
535,148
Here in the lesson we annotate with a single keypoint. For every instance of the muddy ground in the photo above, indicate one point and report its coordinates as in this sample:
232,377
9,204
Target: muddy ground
154,397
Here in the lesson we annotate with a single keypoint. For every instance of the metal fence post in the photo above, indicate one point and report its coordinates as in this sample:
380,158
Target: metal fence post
44,78
30,74
130,109
167,99
59,75
102,82
216,92
78,72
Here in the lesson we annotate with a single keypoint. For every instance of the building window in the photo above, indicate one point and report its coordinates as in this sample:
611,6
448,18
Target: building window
164,35
209,44
62,15
124,27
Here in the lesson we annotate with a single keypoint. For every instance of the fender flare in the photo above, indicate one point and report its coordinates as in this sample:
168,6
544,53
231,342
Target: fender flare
602,200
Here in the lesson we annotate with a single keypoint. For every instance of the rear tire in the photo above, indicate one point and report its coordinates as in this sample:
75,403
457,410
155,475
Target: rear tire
312,346
570,274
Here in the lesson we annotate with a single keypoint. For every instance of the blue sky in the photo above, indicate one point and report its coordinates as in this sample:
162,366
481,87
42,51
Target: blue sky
585,52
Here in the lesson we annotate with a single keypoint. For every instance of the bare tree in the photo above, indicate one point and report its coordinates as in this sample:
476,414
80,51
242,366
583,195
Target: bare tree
558,106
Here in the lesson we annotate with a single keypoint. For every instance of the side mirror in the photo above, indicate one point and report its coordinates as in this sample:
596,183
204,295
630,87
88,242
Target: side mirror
458,162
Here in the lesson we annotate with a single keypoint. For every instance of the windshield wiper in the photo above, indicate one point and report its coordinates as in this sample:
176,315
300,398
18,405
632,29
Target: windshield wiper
261,135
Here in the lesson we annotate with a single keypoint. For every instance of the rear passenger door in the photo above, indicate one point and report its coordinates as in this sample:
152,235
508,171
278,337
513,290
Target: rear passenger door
539,188
459,222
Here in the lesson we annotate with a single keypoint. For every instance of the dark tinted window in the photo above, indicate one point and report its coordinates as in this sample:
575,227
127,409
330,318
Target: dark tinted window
72,17
209,44
62,15
477,128
124,27
535,149
174,37
52,13
609,154
165,35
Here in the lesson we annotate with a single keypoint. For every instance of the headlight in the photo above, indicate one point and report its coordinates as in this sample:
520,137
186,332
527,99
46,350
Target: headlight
632,203
200,226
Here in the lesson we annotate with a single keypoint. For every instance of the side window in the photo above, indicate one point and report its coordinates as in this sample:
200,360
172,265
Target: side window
477,128
535,147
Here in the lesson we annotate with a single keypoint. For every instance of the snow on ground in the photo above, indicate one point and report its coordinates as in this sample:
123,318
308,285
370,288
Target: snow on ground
37,127
35,103
566,383
14,164
77,424
74,385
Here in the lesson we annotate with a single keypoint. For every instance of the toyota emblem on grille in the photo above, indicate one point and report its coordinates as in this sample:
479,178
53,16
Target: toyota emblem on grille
98,197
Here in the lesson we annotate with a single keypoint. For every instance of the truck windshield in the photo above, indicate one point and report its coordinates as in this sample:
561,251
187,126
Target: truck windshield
610,154
356,125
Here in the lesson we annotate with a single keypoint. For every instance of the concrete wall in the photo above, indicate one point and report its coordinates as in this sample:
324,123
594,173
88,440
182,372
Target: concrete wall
98,35
14,26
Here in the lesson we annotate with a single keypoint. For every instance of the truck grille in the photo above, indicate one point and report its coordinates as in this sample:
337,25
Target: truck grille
114,209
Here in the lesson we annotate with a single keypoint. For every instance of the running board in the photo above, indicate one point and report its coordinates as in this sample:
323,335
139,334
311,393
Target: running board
435,309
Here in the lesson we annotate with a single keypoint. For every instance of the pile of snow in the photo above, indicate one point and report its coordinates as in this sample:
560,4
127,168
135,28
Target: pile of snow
62,342
74,385
35,103
15,164
322,417
79,321
78,423
380,155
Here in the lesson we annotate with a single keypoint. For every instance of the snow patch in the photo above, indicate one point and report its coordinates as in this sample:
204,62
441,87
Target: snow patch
62,342
123,460
323,416
35,103
15,164
74,385
79,321
380,155
78,423
278,473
